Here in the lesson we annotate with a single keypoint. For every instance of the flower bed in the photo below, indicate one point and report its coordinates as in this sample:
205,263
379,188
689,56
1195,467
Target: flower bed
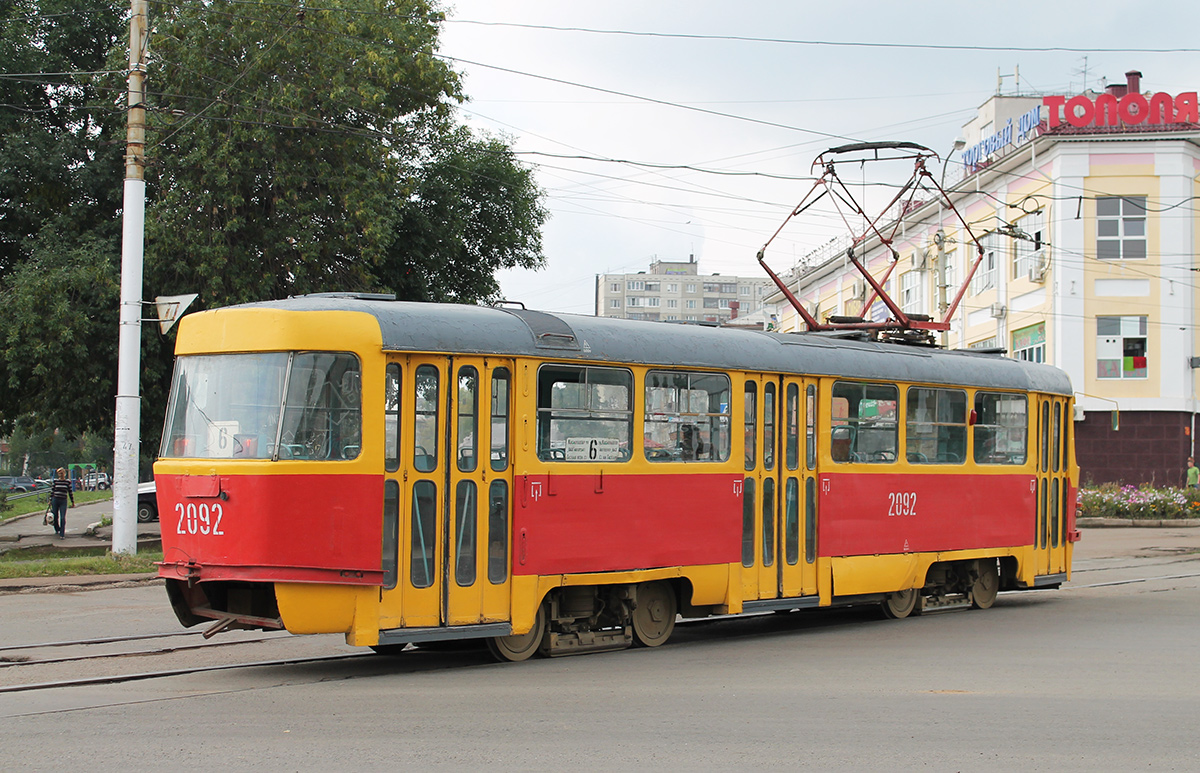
1108,500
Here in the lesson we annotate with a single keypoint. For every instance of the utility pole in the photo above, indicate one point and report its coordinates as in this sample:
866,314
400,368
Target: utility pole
127,441
939,238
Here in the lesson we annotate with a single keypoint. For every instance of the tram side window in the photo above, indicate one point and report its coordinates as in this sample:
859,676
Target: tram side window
687,417
936,426
425,435
584,414
1001,427
499,452
864,423
468,418
391,418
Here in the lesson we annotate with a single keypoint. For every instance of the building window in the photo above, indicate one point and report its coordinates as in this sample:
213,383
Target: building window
744,290
638,285
672,303
1121,228
672,287
1029,251
985,275
633,301
614,287
615,303
652,301
690,305
912,296
652,287
691,288
1029,343
711,303
1121,347
987,343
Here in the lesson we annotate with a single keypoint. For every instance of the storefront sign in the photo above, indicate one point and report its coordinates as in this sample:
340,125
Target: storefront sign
1027,128
1129,110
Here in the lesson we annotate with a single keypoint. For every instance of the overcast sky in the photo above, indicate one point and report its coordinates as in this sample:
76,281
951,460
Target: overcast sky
733,108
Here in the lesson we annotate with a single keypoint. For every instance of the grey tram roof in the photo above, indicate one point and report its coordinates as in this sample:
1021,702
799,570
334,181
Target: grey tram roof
484,330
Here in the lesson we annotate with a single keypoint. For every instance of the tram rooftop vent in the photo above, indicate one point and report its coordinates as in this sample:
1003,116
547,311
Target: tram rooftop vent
355,296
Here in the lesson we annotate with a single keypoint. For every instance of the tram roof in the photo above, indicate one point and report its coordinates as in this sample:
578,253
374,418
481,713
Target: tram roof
464,329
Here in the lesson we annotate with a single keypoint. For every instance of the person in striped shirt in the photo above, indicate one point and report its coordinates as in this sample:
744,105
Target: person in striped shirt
60,492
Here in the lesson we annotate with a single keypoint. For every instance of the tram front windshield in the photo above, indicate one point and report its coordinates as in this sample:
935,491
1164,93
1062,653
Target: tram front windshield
271,405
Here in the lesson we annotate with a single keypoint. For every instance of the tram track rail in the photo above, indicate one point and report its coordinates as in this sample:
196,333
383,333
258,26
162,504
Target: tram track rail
164,673
7,652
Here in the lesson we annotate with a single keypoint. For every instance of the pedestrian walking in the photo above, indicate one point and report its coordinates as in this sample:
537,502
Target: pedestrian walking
60,492
1193,473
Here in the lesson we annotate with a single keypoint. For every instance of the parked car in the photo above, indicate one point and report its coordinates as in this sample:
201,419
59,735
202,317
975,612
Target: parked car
147,502
97,481
18,484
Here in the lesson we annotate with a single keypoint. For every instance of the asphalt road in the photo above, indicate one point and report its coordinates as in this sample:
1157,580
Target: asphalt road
1103,674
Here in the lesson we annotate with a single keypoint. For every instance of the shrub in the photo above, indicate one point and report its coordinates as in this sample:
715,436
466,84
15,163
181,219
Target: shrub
1108,500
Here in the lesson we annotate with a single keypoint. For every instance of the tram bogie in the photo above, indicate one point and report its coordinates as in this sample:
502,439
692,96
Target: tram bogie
410,473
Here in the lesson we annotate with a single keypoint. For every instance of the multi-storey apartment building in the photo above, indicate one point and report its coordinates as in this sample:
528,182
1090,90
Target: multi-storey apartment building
674,291
1087,207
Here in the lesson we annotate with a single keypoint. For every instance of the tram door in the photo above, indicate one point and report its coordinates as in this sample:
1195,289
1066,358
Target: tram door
450,484
1053,485
796,528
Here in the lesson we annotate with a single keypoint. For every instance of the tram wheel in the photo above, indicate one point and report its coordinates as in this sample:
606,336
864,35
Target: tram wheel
654,615
986,585
522,646
900,604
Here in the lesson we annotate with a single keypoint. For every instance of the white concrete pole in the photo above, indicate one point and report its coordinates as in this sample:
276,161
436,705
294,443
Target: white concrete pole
126,441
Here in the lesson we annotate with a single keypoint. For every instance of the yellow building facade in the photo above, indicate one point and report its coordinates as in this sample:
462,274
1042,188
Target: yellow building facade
1086,207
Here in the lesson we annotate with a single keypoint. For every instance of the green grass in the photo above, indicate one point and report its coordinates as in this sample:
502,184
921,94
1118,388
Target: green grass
53,562
38,504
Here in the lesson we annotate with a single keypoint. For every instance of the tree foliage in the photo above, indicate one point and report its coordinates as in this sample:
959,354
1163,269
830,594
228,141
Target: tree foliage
290,150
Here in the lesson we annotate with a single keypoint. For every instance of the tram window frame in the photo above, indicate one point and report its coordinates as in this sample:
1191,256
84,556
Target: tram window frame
750,423
791,428
995,441
466,532
769,421
467,442
587,415
497,562
427,382
847,433
1056,436
811,427
692,407
392,386
940,415
500,413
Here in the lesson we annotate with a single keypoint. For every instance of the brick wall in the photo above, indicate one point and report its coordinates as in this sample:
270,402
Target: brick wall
1150,447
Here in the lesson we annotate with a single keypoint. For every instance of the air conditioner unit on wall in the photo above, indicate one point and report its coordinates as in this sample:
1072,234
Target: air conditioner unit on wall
999,310
1037,268
859,289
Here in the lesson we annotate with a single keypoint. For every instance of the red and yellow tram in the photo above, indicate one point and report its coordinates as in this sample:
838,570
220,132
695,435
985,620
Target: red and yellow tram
407,473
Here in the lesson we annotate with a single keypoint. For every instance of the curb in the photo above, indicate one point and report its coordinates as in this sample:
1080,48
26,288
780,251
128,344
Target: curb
75,582
1146,523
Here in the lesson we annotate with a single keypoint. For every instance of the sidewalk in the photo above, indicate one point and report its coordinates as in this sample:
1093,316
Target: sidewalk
27,531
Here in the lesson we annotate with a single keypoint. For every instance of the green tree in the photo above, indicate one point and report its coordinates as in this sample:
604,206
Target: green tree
290,150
